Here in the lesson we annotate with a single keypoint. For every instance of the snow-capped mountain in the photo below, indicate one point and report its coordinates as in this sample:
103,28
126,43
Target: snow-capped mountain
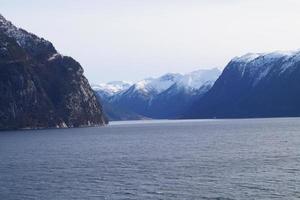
254,85
154,86
150,87
197,79
162,97
111,88
258,66
160,84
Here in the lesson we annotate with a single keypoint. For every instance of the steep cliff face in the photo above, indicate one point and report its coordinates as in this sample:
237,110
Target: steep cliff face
41,88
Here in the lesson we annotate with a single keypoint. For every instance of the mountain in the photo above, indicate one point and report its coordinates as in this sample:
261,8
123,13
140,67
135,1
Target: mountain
254,85
139,96
109,89
105,92
165,97
41,88
180,96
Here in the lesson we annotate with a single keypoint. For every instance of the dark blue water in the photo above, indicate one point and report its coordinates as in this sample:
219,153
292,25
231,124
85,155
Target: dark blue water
222,159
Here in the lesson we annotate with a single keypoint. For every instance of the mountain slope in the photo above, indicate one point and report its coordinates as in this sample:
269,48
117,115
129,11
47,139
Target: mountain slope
139,96
39,87
166,97
174,101
254,85
116,113
105,92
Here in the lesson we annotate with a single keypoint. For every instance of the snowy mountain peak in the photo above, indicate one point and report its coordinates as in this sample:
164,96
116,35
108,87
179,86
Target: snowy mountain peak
111,88
157,85
170,77
154,86
195,80
164,82
266,57
247,57
142,85
258,66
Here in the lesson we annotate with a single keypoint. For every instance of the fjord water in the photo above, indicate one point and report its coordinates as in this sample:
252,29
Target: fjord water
200,159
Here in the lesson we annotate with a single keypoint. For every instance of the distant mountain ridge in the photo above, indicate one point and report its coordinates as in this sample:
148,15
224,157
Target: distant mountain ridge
165,97
254,85
41,88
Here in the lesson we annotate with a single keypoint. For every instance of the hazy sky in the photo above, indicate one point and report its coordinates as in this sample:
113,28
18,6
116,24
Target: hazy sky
133,39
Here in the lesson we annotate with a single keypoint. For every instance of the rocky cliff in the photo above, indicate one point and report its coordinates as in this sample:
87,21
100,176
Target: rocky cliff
41,88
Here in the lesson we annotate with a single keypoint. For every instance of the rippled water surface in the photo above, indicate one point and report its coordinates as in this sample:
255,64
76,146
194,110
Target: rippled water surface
209,159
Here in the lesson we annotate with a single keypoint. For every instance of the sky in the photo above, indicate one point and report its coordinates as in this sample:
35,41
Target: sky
133,39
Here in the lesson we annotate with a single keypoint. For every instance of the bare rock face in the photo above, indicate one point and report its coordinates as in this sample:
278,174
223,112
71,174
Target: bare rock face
41,88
